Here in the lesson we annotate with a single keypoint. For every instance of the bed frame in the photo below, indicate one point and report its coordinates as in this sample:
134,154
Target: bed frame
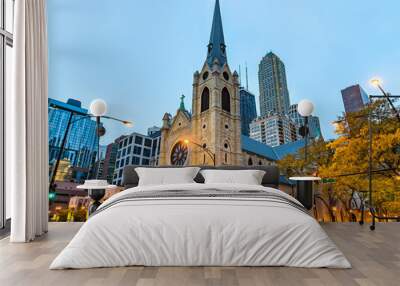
130,178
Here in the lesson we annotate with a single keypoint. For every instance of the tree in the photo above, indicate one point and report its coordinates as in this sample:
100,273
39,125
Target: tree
346,158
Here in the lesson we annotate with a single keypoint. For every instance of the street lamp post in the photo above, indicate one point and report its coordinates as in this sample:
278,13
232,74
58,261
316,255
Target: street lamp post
205,149
370,170
388,97
305,109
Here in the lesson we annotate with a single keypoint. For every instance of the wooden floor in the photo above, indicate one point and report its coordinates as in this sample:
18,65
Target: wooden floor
375,257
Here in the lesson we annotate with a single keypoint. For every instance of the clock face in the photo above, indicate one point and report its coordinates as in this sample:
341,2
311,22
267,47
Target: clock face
179,154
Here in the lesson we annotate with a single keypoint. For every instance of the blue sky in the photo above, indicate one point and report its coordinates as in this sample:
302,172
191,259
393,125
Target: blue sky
140,56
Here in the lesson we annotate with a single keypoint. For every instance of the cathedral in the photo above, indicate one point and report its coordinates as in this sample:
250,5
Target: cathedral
211,133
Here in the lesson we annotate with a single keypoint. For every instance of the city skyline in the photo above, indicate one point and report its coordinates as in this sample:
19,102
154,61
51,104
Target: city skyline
321,55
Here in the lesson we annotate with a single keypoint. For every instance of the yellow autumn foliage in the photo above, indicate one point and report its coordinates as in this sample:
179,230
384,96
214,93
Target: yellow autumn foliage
346,158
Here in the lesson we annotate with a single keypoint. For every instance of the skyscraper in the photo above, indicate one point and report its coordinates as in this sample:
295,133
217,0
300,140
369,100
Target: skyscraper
274,94
81,144
354,98
110,159
273,130
248,111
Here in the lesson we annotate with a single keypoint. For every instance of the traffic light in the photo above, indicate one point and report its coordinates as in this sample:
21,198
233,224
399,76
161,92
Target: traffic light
52,196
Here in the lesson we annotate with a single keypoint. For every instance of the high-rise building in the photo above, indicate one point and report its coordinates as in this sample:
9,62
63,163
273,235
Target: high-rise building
110,160
136,149
248,111
314,128
273,130
274,94
354,98
81,142
313,122
103,150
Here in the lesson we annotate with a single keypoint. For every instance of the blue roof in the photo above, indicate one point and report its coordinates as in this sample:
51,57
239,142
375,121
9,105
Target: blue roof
289,148
253,146
216,47
272,153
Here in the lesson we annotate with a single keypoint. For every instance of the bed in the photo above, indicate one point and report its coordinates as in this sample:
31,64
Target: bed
201,224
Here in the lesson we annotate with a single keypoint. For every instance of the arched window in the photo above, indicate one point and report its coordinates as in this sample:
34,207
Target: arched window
259,163
226,100
205,99
250,162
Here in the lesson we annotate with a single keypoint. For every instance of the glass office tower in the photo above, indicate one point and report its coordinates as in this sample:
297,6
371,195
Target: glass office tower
81,143
354,98
248,111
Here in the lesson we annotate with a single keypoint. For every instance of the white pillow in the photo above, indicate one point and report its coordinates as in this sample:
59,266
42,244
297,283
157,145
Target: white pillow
248,177
166,176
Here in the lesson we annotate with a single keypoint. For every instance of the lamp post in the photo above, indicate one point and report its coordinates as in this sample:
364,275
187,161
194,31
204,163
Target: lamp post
371,171
377,83
96,188
305,108
304,185
205,149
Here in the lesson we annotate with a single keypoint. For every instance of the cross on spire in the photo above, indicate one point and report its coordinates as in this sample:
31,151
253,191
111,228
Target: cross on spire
182,105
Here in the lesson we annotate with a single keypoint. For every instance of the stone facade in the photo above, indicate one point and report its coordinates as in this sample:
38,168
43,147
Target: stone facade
216,129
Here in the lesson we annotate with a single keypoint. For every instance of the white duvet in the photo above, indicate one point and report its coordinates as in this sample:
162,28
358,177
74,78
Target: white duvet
200,231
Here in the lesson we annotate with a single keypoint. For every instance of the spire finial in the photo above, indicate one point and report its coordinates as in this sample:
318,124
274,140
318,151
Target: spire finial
247,79
182,105
216,46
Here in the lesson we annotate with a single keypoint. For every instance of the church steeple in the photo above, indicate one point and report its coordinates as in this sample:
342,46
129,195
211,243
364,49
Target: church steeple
216,46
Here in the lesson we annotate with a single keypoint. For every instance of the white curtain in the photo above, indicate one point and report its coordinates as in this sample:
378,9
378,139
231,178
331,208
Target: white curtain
26,117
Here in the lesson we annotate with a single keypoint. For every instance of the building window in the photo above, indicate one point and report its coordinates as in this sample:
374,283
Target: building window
250,162
135,160
226,100
145,162
205,99
146,152
138,140
137,150
130,139
147,142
